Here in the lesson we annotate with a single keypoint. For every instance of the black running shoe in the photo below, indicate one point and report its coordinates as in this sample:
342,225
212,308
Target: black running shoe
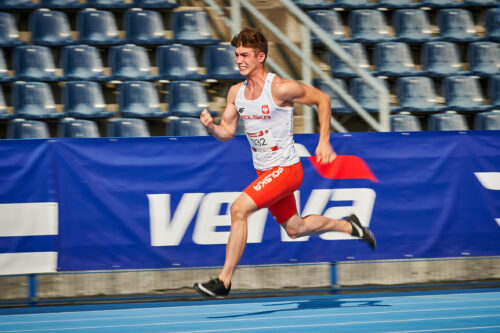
212,288
359,231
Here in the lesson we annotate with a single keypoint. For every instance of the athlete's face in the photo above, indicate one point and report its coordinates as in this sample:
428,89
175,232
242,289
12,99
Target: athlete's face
248,59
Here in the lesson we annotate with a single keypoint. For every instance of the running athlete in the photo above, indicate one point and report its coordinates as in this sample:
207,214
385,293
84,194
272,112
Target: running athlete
265,103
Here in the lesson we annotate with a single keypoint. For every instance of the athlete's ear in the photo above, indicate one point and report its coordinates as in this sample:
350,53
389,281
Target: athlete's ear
261,57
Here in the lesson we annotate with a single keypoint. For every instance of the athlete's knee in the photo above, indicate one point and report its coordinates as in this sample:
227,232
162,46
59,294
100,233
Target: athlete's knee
294,230
239,211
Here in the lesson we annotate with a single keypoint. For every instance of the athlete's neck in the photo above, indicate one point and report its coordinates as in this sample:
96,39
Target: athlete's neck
255,84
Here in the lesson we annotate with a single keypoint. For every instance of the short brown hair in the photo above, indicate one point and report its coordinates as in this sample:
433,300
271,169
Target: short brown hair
249,37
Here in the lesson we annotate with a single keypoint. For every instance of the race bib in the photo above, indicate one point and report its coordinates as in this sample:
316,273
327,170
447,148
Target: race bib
262,140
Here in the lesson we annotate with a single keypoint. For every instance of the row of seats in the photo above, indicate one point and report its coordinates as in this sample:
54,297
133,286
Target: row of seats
126,62
98,27
349,4
418,94
72,4
84,99
448,121
410,25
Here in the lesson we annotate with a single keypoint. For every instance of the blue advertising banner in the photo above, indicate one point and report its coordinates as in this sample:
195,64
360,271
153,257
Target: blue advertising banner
164,202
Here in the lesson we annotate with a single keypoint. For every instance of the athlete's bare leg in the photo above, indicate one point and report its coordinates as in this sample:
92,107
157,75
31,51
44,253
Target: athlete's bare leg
298,226
241,209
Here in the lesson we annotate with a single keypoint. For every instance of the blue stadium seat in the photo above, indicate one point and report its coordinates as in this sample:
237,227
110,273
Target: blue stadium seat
463,93
358,53
82,62
34,63
480,3
97,27
129,62
18,4
368,26
412,26
487,120
365,95
77,128
128,127
84,99
34,100
449,121
328,20
9,33
177,62
441,59
338,105
4,70
186,98
144,27
184,126
354,4
50,28
394,59
27,129
394,4
111,4
417,94
494,90
483,58
192,28
219,61
61,4
456,25
313,4
3,107
158,4
440,3
139,99
492,23
402,122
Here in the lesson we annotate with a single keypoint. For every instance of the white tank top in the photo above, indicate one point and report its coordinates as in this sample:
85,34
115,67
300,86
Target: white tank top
269,128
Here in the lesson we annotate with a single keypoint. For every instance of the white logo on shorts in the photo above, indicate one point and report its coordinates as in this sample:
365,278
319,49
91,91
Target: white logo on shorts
267,179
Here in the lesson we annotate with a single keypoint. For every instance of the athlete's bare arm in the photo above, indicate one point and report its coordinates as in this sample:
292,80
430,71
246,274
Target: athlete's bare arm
289,92
229,121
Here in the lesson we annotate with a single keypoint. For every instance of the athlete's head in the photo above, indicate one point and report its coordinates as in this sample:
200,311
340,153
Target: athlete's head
252,38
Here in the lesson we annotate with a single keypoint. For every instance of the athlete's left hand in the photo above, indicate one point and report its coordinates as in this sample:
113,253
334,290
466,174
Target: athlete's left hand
325,153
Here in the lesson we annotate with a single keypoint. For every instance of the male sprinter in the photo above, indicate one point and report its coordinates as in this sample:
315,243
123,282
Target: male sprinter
265,103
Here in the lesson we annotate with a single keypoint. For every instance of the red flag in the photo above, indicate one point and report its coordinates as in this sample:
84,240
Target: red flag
344,167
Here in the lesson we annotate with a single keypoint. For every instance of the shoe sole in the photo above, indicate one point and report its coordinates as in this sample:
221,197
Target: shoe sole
371,239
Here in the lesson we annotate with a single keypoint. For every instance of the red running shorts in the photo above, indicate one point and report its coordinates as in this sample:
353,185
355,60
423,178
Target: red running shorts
274,188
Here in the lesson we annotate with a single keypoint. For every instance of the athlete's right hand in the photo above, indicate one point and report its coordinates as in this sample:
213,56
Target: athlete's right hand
206,119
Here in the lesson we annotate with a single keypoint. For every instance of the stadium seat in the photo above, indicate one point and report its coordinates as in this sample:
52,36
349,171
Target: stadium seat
358,54
338,105
159,4
456,25
402,122
328,20
480,3
365,95
313,4
494,90
4,71
192,28
9,33
129,62
492,23
111,4
463,93
186,98
412,26
417,94
50,28
368,26
483,58
440,3
487,120
27,129
394,4
61,4
84,99
128,127
77,128
18,4
184,126
441,59
394,59
353,4
3,107
139,99
34,100
97,27
82,62
144,27
177,62
34,63
449,121
219,62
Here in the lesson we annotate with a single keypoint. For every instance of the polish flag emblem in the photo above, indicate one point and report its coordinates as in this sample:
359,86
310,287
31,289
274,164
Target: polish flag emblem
265,109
